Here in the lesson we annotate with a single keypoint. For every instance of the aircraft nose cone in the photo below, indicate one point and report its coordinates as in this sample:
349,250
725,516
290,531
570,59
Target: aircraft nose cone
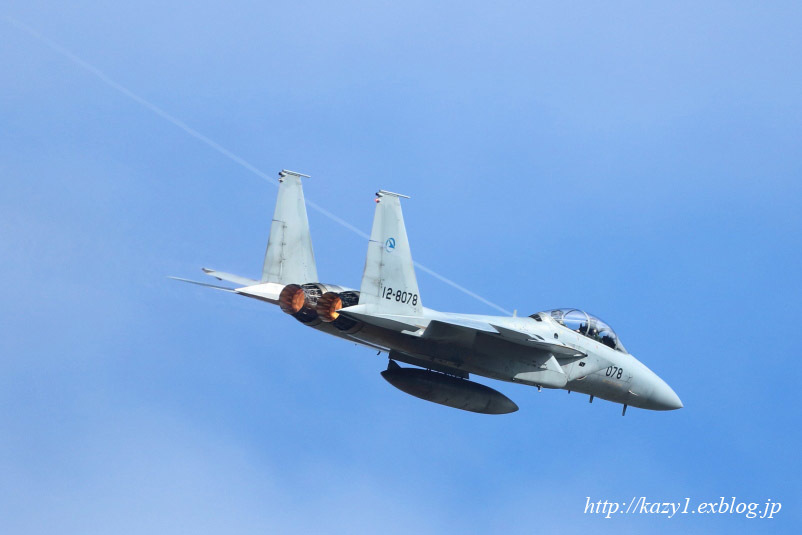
663,398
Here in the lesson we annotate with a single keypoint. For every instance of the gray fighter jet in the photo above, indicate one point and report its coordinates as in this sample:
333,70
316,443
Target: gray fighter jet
564,348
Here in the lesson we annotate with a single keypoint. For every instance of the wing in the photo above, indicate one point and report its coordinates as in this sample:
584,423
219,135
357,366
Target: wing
560,351
546,358
458,328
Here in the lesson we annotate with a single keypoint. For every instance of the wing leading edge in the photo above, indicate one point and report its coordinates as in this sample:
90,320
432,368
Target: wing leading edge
442,329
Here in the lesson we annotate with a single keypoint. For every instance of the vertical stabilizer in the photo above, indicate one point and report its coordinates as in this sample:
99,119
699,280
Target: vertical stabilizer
389,285
289,258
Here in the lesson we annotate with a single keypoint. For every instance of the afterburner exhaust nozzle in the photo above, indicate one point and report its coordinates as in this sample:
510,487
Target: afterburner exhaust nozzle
330,302
292,299
301,301
328,305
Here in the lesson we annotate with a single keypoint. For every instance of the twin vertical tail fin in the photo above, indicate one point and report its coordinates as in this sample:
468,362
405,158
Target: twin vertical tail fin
389,285
289,258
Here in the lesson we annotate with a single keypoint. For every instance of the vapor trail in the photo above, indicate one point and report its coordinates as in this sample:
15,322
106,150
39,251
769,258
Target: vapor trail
222,150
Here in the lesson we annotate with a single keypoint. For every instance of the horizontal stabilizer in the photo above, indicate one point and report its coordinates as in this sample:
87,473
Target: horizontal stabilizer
236,279
267,291
214,287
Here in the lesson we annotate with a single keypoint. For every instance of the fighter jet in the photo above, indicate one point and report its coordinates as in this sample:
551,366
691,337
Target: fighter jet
564,348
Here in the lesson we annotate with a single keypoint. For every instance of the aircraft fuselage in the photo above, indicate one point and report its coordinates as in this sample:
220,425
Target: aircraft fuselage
560,349
604,373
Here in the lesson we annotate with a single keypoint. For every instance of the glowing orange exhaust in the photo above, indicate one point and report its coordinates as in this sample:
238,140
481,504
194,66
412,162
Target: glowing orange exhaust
327,306
292,299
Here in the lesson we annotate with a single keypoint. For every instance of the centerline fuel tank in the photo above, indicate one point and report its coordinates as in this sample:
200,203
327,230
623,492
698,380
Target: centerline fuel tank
448,390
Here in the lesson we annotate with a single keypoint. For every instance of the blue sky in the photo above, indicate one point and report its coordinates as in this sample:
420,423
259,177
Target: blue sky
641,162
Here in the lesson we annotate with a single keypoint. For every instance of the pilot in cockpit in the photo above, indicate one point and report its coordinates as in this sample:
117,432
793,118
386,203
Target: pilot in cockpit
587,325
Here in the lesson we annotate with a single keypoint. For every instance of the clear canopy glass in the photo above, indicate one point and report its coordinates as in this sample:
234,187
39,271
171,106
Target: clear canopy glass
587,325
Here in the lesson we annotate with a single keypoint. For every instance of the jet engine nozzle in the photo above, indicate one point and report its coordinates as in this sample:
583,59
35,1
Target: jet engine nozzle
327,306
292,299
330,302
301,301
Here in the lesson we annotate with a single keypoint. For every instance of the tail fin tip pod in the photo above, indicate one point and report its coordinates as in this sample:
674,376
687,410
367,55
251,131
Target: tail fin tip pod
284,172
389,285
289,258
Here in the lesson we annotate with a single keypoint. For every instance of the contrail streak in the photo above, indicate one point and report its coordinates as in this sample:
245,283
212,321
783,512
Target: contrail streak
221,149
133,96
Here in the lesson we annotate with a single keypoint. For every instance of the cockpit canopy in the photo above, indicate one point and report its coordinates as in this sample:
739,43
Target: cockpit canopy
587,325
